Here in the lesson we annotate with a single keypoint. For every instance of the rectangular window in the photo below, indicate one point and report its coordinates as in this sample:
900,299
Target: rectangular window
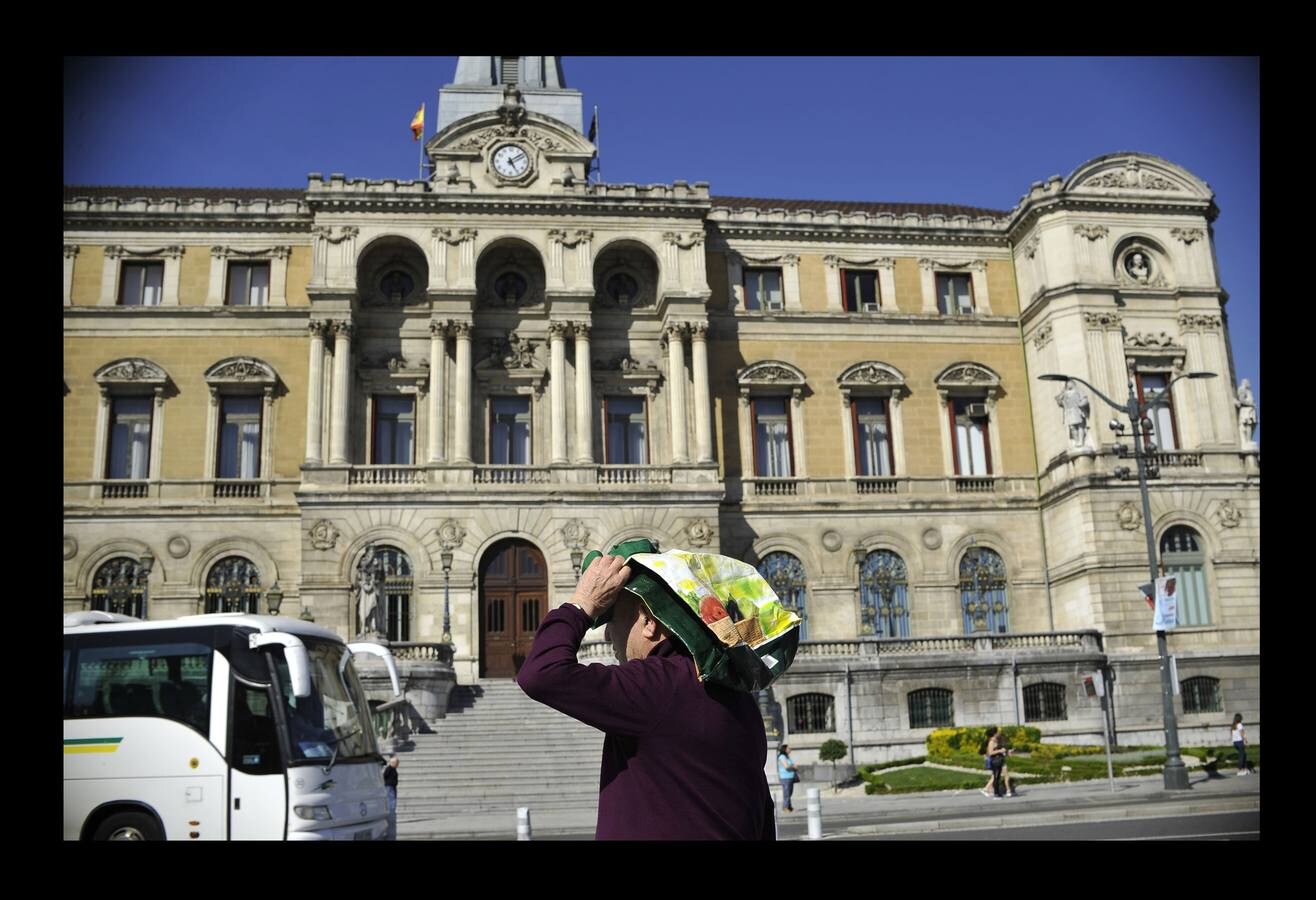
169,681
394,430
763,289
142,284
1153,390
772,437
955,295
859,290
130,438
872,432
248,284
626,423
969,433
239,437
509,431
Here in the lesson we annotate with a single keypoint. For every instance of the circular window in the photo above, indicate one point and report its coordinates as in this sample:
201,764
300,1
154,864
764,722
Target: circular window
510,287
397,285
623,289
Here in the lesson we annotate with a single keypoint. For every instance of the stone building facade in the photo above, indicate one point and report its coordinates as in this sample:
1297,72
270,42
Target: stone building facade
462,384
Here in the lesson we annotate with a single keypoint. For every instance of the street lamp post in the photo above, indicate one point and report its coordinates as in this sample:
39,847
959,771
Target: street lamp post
1176,775
446,558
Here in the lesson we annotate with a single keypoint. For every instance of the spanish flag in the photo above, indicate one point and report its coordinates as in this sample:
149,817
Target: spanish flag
418,123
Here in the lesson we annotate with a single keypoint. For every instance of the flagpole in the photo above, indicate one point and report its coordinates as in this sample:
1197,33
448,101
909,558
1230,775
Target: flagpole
420,151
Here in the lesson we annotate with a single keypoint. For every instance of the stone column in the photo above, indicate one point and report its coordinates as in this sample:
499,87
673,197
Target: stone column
676,378
70,255
102,441
342,385
314,394
438,388
584,398
461,407
557,375
699,358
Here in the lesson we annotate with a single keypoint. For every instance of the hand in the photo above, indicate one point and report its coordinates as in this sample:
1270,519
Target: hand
601,585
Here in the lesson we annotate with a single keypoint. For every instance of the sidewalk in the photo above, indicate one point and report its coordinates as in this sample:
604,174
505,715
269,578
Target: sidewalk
851,811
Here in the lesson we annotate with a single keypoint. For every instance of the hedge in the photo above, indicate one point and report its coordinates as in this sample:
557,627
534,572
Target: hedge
946,742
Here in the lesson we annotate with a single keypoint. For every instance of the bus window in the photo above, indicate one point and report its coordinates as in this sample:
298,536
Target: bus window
169,681
255,736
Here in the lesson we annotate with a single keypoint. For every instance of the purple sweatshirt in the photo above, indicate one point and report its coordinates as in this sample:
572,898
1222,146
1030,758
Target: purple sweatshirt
681,760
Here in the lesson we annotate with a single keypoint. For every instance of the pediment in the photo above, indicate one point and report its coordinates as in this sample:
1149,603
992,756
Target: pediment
476,134
133,370
770,372
871,374
967,375
241,370
1137,173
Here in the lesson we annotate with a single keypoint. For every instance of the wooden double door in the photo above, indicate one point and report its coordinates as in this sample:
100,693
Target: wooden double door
513,600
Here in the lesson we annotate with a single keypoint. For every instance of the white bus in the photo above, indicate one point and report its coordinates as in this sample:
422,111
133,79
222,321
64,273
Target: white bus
217,727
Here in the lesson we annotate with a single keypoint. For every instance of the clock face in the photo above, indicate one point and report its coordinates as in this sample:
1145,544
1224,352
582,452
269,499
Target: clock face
510,161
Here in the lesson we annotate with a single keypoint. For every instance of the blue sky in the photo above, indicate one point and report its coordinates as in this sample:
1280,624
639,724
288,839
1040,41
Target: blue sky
970,131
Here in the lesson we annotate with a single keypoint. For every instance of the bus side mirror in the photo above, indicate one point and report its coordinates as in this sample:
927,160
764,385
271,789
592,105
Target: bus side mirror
383,652
294,651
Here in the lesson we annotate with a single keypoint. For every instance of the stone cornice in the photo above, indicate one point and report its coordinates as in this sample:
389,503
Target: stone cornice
1030,210
853,231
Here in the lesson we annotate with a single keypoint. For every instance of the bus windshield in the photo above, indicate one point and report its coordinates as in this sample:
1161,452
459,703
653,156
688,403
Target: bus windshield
329,724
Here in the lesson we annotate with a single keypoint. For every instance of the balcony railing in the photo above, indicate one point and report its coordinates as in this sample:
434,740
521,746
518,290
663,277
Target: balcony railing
226,489
967,643
418,651
975,485
877,485
620,474
513,475
772,487
386,475
1176,459
123,490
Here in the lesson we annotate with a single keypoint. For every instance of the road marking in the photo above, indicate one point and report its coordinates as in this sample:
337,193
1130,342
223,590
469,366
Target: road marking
1180,837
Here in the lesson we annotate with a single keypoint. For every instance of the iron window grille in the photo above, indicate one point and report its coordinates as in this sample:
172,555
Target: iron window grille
811,713
119,586
233,585
1045,703
931,708
883,595
1200,694
786,575
983,596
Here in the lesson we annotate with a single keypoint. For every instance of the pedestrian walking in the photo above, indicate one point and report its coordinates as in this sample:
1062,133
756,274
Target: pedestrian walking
1240,744
787,775
996,753
391,785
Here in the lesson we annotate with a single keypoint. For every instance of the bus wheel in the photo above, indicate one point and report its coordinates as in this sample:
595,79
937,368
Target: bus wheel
128,826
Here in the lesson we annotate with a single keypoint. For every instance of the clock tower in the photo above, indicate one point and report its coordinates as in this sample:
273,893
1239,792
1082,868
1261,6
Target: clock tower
480,80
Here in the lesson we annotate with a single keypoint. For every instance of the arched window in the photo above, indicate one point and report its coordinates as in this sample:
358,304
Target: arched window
810,713
392,567
983,592
1182,556
118,587
233,585
1200,694
785,574
1045,702
931,708
883,595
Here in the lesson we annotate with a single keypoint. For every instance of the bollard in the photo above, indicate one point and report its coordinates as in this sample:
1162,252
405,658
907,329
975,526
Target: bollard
815,815
523,823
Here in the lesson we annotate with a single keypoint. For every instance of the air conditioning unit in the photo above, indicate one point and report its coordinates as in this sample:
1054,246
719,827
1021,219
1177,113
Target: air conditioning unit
773,303
977,411
870,307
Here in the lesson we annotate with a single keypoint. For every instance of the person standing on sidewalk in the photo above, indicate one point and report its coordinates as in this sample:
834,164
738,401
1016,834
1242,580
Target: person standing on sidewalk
996,753
787,775
1240,744
391,785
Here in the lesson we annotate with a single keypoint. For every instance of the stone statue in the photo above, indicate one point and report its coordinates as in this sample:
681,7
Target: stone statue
1137,267
369,575
1075,405
1247,414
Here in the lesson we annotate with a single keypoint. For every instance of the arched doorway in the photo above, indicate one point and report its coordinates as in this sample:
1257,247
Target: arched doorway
513,598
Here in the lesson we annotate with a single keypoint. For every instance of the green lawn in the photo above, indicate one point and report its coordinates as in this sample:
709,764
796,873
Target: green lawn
922,778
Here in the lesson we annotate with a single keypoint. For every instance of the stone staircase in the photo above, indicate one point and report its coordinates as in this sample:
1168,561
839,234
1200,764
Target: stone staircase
496,750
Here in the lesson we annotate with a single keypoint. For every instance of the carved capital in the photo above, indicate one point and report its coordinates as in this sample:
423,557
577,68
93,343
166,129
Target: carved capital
343,328
114,251
347,231
1194,322
926,265
1102,320
461,330
558,330
1187,235
440,329
70,251
832,261
699,331
1030,246
581,329
1042,336
1091,232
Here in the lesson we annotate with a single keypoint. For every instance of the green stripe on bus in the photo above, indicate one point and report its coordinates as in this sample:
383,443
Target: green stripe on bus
68,741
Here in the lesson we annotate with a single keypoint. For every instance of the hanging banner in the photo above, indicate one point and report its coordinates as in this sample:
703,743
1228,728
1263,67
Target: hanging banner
1167,604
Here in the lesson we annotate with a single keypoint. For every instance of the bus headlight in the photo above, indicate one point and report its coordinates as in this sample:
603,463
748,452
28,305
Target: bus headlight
320,813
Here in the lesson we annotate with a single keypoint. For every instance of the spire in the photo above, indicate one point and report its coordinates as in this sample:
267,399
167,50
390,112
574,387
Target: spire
480,81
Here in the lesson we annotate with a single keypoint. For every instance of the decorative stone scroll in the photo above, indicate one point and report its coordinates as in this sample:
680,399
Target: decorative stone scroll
1129,516
324,536
451,535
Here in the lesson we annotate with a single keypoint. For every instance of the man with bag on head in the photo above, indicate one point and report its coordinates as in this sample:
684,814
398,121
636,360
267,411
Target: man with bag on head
684,753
